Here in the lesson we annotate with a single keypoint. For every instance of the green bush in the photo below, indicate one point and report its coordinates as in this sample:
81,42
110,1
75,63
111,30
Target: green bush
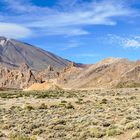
43,106
113,131
29,107
96,132
69,106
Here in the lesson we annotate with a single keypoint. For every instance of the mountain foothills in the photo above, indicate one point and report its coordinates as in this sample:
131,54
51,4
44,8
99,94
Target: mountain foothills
24,66
109,73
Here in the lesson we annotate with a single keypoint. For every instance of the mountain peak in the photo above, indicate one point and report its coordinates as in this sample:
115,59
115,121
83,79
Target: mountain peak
110,60
3,41
14,52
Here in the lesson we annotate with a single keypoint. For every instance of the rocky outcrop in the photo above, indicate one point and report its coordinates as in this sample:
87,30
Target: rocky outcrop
18,78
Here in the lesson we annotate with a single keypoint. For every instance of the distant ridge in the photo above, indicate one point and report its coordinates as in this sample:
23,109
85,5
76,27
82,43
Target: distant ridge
108,73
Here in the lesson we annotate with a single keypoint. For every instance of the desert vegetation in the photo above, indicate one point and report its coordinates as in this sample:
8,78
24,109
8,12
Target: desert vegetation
70,114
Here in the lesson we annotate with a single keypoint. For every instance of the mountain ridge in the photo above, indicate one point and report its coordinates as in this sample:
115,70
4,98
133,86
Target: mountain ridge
103,74
23,65
13,53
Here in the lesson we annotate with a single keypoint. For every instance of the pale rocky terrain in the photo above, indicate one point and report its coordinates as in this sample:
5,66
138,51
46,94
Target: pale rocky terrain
70,115
109,73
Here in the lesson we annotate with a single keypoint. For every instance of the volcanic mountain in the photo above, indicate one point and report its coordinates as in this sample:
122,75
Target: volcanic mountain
23,65
13,53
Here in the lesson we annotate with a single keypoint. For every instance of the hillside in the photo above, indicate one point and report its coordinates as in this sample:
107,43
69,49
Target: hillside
13,53
109,73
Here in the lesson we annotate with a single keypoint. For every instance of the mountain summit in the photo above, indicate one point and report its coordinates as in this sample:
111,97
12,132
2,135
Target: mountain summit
13,53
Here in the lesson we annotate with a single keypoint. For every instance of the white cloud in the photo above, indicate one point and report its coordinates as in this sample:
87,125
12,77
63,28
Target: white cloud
23,6
71,44
86,14
125,42
82,55
12,30
71,31
67,18
131,43
137,37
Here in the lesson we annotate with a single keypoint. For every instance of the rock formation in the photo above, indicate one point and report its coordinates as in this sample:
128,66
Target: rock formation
17,78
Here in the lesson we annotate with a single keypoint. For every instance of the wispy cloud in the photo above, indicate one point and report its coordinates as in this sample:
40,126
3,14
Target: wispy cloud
66,18
71,44
89,55
71,31
14,30
91,13
137,37
23,7
132,41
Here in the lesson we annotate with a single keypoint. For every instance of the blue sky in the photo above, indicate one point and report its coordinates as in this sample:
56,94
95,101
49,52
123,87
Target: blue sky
84,31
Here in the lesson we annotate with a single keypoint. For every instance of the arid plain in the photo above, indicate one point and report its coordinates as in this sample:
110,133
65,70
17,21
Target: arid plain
70,114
